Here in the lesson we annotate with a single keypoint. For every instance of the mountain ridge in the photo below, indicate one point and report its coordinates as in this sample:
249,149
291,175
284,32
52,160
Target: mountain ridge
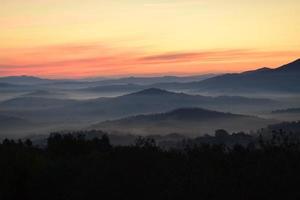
282,79
186,121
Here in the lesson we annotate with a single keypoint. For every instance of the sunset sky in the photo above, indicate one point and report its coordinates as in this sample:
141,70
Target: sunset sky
75,38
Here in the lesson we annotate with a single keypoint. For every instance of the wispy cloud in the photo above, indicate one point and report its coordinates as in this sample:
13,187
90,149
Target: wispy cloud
217,55
195,56
77,60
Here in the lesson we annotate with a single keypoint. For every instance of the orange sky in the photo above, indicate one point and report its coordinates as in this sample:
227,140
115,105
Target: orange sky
64,38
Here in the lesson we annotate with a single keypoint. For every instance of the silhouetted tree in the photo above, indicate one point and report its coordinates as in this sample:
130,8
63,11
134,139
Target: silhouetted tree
74,167
28,143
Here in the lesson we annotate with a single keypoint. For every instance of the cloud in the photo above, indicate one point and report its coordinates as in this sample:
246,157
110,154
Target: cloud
215,55
172,56
92,59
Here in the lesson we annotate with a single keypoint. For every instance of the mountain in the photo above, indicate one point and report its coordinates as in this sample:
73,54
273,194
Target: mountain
114,88
148,101
187,121
29,103
95,85
6,120
156,100
293,67
151,80
260,70
152,91
133,84
94,82
46,94
9,87
24,80
284,79
8,123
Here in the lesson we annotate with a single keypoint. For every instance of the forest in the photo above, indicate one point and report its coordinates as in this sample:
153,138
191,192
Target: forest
73,167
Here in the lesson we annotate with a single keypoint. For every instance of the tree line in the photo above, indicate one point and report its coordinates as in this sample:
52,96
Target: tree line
73,167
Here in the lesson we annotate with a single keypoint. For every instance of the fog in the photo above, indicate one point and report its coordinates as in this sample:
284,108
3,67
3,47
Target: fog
37,109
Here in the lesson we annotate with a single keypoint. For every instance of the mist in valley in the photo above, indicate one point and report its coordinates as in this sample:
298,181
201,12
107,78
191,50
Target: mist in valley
33,106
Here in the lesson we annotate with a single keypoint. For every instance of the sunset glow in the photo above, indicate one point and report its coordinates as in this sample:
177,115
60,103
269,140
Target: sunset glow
64,38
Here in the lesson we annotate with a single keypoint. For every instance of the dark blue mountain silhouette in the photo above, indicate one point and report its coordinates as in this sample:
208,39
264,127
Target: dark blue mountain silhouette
282,79
24,80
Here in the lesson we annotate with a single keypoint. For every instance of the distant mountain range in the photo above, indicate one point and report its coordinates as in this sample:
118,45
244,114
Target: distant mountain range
31,80
95,85
284,79
152,80
24,80
35,102
187,121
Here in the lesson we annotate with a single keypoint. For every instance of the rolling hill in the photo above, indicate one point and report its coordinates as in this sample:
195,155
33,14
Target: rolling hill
70,113
156,100
9,87
10,125
24,80
143,102
187,121
46,94
28,103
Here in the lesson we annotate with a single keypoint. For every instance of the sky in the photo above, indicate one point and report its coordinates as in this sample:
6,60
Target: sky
75,38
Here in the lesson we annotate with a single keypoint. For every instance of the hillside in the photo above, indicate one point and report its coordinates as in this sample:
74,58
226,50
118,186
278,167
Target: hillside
187,121
147,101
156,100
26,103
8,125
24,80
284,79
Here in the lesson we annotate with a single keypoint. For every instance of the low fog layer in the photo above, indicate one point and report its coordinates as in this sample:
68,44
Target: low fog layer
30,105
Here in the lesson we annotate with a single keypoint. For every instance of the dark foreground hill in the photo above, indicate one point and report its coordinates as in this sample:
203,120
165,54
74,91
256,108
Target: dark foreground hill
187,121
71,168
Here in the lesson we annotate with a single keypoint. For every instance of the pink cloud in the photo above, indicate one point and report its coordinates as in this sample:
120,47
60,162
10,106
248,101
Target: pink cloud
78,60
